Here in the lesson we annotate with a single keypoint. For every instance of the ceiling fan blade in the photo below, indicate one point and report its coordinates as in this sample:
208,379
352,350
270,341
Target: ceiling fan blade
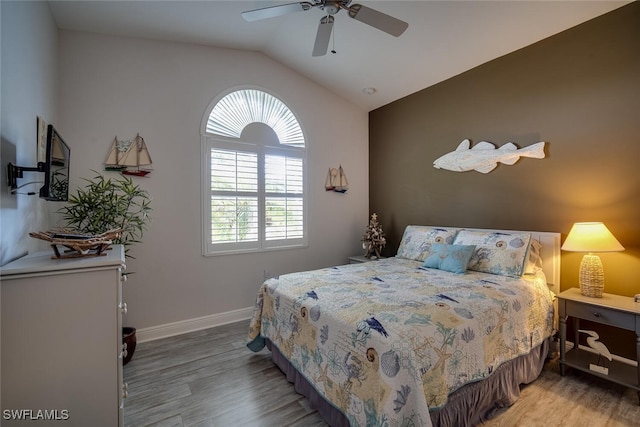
273,11
376,19
323,36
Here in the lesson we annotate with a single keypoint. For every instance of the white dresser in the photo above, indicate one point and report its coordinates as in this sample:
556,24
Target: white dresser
62,340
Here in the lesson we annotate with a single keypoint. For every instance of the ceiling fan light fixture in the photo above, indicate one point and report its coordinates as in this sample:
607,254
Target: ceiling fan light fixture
331,7
364,14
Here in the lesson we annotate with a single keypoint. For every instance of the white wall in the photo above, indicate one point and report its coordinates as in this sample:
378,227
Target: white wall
28,77
29,52
120,86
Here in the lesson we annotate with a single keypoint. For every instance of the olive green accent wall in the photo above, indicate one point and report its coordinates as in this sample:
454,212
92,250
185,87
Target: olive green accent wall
579,91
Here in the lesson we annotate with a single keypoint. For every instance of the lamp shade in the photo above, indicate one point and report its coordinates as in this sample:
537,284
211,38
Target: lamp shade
591,237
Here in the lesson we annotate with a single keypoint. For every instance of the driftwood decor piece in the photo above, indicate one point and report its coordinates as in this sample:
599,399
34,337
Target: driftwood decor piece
77,245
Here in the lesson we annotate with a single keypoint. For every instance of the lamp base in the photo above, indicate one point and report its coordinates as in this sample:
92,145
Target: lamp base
591,276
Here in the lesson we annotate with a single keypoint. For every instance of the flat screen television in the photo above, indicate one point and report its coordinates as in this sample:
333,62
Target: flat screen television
56,168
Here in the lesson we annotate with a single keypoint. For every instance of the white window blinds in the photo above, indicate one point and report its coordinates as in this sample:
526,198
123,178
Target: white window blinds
254,191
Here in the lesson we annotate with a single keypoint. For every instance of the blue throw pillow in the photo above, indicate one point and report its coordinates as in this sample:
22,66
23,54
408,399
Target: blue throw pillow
453,258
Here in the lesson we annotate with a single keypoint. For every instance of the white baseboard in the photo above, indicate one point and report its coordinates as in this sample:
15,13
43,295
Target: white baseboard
190,325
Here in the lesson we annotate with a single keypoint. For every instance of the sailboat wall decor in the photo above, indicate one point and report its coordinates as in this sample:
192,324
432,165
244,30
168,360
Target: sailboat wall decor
124,155
336,180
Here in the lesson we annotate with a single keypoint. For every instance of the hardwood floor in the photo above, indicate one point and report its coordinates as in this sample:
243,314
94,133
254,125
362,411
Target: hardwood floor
210,378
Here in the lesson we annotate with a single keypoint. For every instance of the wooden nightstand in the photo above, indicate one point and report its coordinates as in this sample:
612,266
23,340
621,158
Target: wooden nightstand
358,259
613,310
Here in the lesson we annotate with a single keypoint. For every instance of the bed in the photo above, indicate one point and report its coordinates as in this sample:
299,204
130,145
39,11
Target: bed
441,334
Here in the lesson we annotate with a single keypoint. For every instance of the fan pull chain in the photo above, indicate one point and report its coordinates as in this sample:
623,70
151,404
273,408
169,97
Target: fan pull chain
333,41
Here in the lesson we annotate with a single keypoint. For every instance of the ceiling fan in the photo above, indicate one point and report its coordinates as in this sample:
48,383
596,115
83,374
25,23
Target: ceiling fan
361,13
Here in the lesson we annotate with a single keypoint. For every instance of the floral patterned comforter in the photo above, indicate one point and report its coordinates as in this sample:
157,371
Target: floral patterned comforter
385,341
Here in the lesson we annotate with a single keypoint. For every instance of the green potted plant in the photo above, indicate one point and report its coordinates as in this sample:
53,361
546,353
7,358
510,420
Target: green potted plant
105,204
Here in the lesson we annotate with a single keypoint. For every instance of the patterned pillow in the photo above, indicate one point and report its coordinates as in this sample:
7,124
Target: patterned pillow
534,260
417,239
504,254
453,258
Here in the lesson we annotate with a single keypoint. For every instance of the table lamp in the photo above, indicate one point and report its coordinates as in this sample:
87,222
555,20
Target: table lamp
591,237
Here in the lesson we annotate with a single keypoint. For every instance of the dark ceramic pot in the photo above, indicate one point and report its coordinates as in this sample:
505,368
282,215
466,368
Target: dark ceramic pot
129,338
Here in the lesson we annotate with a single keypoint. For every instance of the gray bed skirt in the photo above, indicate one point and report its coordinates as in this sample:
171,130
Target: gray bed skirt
468,406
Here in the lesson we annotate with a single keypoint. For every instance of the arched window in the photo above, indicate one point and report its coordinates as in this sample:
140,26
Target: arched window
254,175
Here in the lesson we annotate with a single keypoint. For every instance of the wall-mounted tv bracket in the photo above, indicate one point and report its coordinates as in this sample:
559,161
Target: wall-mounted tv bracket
14,172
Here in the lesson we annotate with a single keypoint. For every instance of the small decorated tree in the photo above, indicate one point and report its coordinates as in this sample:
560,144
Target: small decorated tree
373,240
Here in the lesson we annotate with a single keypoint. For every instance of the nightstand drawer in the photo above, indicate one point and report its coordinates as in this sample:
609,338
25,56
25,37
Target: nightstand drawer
604,315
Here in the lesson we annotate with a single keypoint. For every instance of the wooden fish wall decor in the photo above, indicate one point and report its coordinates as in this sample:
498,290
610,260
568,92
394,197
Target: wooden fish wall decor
484,156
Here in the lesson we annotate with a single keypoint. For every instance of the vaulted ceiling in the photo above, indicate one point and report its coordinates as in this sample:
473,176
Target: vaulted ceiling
444,38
